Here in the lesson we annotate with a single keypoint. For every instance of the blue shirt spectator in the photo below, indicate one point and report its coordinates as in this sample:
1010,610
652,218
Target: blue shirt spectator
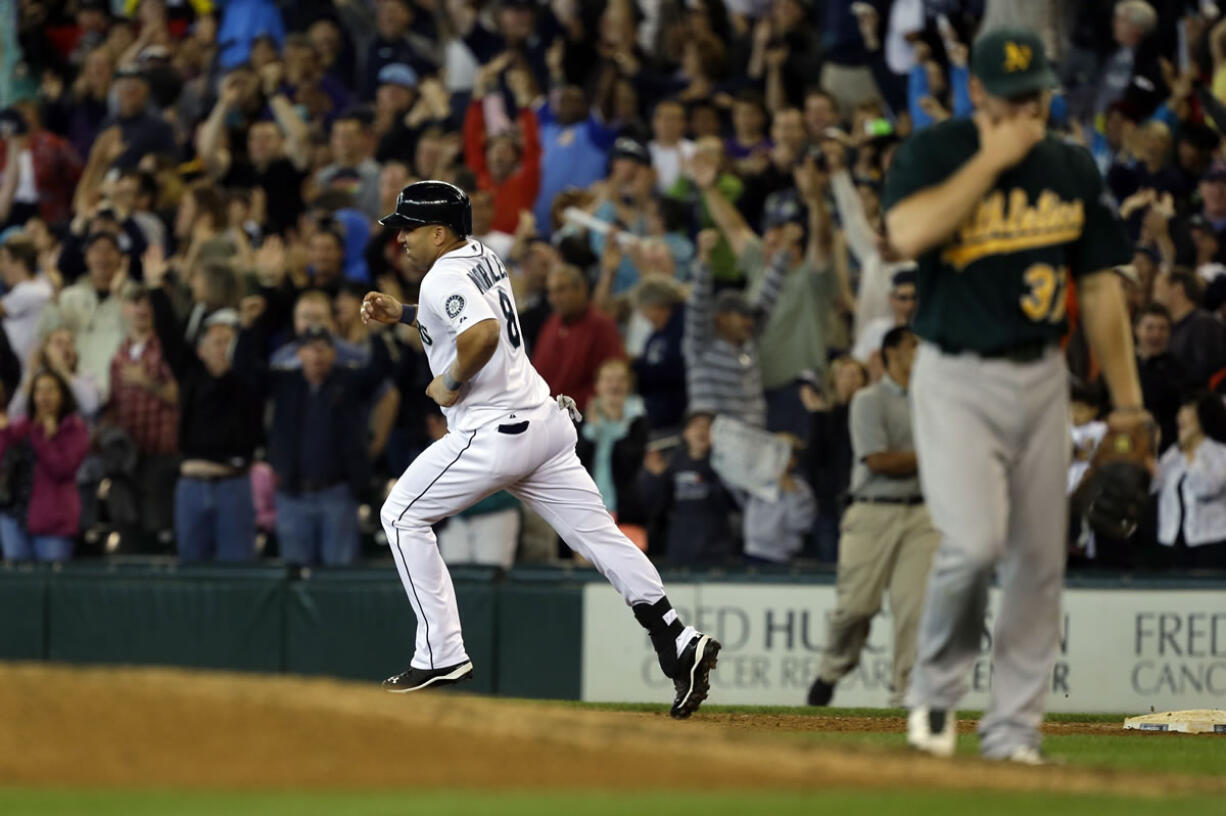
575,152
242,21
919,88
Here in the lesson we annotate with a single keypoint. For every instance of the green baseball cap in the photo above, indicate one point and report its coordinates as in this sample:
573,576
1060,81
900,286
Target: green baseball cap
1011,62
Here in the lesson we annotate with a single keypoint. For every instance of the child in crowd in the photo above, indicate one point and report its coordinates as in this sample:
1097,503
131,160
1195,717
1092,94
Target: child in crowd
687,489
775,531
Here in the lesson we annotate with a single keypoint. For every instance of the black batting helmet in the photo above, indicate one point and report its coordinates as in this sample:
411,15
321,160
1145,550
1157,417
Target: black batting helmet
432,202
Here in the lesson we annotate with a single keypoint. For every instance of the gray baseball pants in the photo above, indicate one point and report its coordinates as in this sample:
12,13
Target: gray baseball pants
993,442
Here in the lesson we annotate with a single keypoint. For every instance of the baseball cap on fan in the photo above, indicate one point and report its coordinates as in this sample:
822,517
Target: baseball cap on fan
627,148
398,73
1011,62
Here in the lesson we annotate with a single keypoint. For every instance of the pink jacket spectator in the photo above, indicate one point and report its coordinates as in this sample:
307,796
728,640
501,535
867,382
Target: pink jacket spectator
55,505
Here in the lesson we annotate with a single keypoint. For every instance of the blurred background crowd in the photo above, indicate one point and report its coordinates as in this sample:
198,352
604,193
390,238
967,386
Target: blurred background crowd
686,195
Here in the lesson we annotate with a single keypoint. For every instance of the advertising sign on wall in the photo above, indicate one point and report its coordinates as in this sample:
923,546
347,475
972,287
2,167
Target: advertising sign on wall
1120,650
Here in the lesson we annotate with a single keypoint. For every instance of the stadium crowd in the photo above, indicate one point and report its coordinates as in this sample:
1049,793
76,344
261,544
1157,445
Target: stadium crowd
686,194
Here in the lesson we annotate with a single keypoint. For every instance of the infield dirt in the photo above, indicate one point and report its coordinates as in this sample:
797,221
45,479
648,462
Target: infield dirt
163,728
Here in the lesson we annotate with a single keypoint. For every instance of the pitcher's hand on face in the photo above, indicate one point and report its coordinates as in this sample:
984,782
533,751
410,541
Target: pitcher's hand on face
1006,142
441,394
381,308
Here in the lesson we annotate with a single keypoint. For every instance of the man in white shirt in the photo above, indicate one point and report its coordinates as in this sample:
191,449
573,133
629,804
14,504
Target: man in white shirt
503,431
670,151
902,308
26,295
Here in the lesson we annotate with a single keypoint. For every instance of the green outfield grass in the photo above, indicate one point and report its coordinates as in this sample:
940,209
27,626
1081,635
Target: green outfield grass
1193,754
809,711
1198,754
587,803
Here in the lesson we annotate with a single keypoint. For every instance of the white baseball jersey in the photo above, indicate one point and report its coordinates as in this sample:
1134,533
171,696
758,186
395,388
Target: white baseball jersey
504,432
464,287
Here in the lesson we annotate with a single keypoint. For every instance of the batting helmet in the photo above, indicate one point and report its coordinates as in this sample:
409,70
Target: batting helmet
432,202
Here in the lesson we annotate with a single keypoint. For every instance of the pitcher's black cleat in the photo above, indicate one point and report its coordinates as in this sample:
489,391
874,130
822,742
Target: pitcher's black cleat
693,678
820,693
418,679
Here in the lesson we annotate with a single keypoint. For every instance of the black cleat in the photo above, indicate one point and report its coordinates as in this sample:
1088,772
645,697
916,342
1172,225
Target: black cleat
820,693
417,679
692,680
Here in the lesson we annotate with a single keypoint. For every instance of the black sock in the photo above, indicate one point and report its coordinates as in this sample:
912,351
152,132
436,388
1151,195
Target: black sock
663,625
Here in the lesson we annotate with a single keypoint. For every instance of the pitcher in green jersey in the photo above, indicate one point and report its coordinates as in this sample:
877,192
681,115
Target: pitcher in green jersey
1000,216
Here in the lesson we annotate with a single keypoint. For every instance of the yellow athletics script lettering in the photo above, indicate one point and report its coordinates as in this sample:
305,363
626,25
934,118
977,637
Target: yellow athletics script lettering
989,230
1017,57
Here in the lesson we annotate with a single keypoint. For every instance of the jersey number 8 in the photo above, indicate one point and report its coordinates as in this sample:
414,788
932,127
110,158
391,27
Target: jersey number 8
1045,302
508,311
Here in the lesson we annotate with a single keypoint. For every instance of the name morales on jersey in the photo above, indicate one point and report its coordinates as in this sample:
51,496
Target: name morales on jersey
990,231
485,274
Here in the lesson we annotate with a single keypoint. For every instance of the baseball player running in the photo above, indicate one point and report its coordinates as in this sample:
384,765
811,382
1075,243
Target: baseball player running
999,215
503,432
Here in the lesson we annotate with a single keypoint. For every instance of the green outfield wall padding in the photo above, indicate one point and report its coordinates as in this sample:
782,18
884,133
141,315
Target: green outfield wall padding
210,619
540,630
23,618
523,630
361,626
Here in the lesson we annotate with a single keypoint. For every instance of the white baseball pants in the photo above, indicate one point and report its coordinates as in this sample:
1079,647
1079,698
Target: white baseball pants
488,539
532,455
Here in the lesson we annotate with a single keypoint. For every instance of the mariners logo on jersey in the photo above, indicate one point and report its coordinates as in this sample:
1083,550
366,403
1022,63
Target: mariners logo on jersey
455,305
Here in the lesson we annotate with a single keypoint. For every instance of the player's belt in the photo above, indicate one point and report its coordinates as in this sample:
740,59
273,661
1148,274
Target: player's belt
907,500
1027,353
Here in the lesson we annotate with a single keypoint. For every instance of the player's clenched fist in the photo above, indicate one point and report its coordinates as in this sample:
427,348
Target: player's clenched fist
441,394
381,308
1006,142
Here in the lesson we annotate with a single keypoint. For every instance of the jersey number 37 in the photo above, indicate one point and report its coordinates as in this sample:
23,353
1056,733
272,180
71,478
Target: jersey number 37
1045,300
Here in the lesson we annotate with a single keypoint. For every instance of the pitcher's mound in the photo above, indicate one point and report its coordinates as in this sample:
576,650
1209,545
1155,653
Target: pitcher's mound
164,728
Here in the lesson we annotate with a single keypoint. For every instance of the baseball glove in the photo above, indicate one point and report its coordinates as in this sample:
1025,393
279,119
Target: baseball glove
1113,493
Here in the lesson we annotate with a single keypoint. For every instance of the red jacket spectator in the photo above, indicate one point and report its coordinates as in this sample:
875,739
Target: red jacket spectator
520,182
55,504
57,169
568,352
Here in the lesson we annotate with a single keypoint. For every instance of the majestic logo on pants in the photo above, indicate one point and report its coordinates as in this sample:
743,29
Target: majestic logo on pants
455,305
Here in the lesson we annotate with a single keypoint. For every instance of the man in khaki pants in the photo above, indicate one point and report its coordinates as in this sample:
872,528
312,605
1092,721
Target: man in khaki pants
888,540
